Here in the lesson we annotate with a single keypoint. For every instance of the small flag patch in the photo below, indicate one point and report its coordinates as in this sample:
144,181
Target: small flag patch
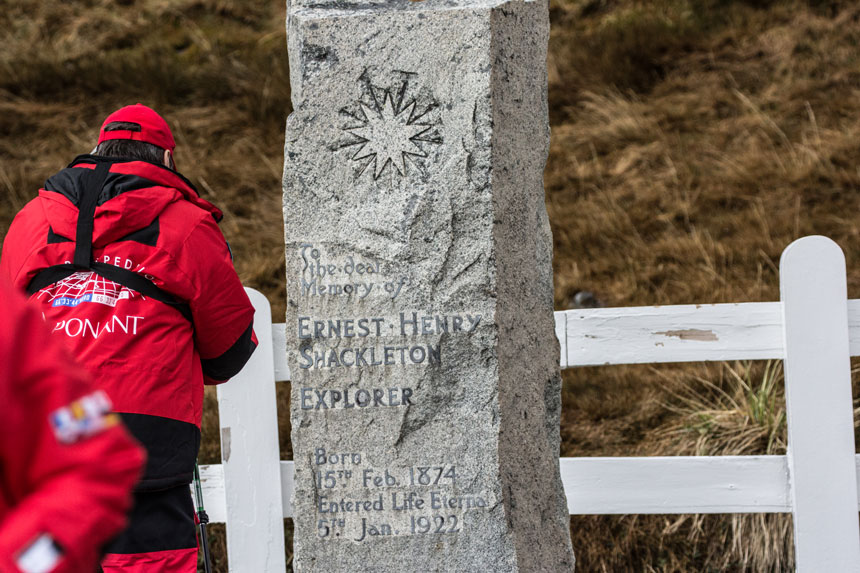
82,418
40,556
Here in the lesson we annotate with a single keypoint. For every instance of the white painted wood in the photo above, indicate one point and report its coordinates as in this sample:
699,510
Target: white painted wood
561,335
288,475
684,333
250,456
854,326
279,343
214,499
678,484
819,406
604,486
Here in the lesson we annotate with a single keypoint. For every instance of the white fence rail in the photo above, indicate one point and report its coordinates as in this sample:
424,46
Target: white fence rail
814,328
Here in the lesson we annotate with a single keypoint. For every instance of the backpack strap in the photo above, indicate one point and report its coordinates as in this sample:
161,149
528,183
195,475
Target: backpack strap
142,285
49,276
83,260
86,215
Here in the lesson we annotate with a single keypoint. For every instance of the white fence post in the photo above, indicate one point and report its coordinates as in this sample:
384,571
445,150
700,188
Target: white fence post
251,457
819,406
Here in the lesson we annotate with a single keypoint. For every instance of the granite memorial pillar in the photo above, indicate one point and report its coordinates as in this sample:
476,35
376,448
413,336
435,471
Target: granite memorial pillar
420,333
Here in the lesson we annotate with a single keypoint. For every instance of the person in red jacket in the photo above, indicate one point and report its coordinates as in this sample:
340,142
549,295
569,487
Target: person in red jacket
131,271
67,466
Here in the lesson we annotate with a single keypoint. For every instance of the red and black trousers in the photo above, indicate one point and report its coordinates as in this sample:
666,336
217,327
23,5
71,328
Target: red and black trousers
161,535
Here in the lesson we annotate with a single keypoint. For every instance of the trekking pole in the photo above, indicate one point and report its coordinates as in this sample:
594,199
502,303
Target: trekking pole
202,519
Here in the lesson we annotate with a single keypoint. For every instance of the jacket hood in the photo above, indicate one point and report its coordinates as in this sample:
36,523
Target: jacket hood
131,198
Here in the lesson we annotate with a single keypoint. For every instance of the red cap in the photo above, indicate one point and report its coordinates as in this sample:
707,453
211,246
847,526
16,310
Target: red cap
153,128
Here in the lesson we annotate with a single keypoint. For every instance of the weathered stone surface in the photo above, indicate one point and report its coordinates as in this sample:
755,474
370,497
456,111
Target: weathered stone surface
426,390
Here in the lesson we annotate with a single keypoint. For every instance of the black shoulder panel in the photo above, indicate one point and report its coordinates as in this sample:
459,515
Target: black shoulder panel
55,238
72,183
145,236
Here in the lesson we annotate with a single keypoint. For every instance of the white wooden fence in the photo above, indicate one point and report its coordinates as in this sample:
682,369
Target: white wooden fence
814,329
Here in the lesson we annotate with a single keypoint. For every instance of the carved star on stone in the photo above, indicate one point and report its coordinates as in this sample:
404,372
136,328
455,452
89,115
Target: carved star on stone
388,136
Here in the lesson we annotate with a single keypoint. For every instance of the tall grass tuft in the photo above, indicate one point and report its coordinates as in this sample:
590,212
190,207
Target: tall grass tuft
723,409
741,412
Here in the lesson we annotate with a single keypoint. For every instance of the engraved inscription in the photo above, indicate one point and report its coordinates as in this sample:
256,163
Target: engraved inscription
347,398
369,357
351,277
358,330
360,502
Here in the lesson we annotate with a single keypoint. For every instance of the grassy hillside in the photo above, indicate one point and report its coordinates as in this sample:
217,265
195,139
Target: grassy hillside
692,140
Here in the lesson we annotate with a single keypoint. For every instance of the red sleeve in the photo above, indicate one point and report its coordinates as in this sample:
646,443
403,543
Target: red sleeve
223,314
65,479
18,243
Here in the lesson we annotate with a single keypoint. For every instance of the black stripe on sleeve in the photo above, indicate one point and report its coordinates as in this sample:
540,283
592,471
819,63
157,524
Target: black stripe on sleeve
231,362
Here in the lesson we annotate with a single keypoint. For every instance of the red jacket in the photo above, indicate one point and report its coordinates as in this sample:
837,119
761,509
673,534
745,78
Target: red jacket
147,221
66,473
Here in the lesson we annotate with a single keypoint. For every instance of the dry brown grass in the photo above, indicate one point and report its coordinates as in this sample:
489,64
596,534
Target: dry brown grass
696,410
688,191
692,141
